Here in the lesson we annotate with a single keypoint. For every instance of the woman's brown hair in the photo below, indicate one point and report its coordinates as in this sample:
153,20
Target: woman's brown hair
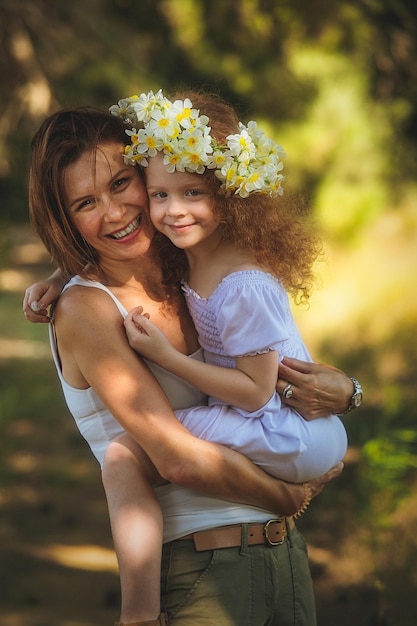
61,140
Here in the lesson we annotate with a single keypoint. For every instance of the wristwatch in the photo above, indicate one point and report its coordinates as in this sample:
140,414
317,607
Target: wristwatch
356,399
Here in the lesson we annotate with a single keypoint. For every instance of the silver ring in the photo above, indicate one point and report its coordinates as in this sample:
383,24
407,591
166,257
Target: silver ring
287,392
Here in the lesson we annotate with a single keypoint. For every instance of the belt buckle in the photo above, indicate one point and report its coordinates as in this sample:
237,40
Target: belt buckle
268,540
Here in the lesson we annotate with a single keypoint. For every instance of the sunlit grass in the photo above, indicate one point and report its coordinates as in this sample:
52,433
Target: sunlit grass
88,557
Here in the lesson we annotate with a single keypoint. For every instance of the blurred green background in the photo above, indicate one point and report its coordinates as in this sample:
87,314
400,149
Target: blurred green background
336,84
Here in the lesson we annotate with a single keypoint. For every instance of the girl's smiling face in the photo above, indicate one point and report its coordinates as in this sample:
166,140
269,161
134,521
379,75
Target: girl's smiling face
181,205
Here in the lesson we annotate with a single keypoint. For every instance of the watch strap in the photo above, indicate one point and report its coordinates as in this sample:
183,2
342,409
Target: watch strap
356,399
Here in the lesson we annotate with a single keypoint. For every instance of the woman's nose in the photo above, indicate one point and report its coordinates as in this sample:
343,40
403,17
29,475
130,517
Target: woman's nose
111,209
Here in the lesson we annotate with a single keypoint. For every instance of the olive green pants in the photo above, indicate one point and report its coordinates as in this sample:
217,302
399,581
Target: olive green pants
246,586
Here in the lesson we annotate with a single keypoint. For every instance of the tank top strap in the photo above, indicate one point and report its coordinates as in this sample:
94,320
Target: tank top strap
83,282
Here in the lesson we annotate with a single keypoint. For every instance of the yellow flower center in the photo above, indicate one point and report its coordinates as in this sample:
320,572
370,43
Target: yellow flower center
219,159
185,114
194,158
150,142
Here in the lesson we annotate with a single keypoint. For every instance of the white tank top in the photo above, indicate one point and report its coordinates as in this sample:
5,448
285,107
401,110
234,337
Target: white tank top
184,510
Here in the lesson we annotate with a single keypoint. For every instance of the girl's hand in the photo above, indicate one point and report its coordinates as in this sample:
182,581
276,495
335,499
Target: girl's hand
39,296
37,299
146,338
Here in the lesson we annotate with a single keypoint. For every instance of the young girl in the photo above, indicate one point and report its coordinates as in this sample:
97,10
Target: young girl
215,191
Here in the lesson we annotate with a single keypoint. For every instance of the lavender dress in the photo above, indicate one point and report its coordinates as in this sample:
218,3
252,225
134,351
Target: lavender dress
249,314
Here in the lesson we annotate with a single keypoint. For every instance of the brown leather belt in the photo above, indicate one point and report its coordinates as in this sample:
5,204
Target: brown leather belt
272,533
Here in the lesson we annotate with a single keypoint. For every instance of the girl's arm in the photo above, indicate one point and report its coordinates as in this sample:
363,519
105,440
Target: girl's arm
39,296
319,389
249,386
91,336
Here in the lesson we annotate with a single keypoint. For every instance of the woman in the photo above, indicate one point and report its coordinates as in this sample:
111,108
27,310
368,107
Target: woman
90,210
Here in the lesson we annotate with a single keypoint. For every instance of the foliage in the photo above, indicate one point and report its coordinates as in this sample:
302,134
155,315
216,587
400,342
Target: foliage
392,456
336,84
340,72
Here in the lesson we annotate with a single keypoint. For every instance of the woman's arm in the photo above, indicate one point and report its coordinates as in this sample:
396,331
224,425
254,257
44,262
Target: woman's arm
91,336
39,296
318,390
247,386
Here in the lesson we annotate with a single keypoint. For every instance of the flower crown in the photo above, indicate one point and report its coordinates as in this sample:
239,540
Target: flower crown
249,162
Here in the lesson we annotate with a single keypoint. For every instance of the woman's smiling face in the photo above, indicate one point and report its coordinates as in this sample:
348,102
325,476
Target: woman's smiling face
108,203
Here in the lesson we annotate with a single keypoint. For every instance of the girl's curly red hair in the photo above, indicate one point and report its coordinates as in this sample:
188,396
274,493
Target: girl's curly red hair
276,231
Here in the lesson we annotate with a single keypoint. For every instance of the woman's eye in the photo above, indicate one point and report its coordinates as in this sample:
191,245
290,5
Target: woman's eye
120,182
85,204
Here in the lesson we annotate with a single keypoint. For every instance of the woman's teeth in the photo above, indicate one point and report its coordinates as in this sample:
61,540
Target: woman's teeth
126,231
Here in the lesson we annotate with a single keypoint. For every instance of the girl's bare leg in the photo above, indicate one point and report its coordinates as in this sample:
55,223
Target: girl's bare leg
136,523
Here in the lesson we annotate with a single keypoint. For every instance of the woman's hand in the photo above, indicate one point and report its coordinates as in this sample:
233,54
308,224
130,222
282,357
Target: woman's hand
39,296
291,496
316,485
313,389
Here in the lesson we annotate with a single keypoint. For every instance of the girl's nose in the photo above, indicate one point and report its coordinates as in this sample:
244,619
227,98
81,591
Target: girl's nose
175,208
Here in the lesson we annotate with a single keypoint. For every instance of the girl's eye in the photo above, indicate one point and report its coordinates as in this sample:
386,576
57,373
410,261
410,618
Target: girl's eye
193,192
158,194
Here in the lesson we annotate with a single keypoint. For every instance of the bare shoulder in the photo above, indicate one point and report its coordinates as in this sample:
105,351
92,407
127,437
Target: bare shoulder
81,302
243,266
82,314
238,260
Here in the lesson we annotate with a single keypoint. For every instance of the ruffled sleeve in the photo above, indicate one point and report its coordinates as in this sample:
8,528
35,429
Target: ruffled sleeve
252,312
